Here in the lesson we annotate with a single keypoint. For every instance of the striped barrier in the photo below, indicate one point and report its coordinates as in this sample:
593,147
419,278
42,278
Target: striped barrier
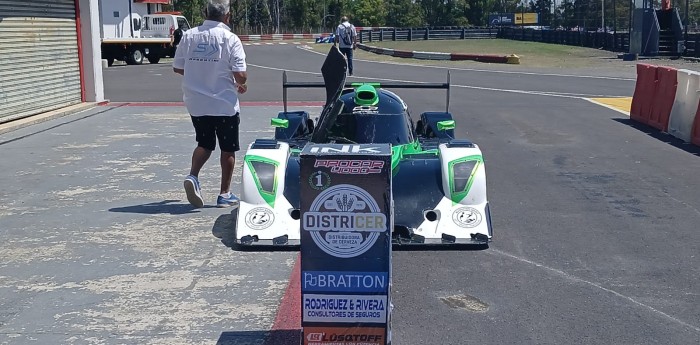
668,99
278,37
510,59
695,133
685,105
664,95
643,96
432,56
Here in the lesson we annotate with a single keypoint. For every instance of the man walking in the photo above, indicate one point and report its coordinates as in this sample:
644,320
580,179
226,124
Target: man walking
212,61
346,37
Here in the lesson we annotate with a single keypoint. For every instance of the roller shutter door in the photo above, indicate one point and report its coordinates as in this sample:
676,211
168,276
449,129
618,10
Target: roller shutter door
39,66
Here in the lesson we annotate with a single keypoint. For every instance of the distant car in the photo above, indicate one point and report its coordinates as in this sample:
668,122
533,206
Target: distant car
439,182
326,39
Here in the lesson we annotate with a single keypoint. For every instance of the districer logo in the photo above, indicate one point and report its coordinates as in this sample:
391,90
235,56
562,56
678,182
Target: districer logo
259,218
344,221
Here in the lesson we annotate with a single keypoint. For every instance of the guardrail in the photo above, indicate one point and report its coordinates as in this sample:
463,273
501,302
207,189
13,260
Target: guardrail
421,34
616,42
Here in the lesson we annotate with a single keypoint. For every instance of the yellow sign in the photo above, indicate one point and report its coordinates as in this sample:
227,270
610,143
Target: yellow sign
530,18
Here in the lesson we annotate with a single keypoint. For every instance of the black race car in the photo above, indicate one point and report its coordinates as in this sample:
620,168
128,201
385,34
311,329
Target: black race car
439,182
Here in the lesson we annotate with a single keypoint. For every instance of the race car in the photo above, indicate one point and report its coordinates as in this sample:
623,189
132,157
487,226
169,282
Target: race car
438,181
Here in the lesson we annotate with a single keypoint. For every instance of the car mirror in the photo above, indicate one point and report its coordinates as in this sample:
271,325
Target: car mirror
280,123
446,125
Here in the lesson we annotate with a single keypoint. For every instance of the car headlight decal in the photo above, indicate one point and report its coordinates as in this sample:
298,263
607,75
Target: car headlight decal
461,174
264,171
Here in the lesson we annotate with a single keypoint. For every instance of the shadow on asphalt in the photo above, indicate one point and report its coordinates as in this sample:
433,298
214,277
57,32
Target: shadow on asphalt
161,207
661,136
275,337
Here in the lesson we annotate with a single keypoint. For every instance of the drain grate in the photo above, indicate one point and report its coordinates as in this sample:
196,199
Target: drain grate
465,302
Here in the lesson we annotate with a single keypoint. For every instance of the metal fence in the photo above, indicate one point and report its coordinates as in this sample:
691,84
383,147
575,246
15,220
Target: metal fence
616,42
420,34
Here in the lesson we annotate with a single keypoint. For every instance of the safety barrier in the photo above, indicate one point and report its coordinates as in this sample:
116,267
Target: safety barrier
668,99
509,59
644,91
277,37
685,105
695,133
664,94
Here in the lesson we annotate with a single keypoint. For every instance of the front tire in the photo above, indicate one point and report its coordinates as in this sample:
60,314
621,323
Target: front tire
134,57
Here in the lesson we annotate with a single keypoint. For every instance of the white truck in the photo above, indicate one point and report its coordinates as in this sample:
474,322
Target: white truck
134,31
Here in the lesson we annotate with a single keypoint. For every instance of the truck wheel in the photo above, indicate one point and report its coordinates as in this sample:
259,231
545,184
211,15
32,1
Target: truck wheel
153,59
110,62
134,57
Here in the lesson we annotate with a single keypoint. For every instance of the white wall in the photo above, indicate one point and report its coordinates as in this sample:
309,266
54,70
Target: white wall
91,55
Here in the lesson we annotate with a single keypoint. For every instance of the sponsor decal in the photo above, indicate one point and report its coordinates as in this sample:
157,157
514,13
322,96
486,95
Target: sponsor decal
344,308
319,180
344,335
259,218
345,149
341,281
466,217
351,166
344,221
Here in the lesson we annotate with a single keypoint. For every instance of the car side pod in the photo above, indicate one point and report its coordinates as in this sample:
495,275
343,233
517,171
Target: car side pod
462,216
264,214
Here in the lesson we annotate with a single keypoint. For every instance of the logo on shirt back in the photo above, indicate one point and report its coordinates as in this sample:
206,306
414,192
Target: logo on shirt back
206,52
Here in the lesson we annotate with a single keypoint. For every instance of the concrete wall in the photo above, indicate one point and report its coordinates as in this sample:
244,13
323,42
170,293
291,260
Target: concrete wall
91,56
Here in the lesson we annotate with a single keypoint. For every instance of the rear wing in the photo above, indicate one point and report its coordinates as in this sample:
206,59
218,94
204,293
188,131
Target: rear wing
415,85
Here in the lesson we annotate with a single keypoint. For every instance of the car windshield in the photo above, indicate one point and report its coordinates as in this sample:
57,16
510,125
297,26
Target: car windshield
366,128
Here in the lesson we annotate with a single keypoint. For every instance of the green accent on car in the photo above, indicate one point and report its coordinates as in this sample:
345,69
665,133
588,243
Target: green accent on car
375,84
399,153
267,195
366,94
458,195
445,125
281,123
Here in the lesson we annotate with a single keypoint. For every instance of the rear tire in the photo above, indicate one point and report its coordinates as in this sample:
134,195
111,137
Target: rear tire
110,62
134,57
153,60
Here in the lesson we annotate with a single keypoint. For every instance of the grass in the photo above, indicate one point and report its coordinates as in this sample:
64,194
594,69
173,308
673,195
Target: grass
532,54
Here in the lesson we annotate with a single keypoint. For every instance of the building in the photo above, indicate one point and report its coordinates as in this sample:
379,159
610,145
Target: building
51,53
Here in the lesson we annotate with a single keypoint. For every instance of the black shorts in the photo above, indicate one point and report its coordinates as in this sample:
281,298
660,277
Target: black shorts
210,128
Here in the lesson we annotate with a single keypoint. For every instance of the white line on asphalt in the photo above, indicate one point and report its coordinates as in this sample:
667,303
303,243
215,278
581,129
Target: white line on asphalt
482,70
596,285
525,92
609,107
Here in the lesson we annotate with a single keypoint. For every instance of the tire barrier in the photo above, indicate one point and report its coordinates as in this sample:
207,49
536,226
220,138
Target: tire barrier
668,99
509,59
685,105
643,97
664,95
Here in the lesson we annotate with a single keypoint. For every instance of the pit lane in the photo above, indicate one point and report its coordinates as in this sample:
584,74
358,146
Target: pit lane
595,222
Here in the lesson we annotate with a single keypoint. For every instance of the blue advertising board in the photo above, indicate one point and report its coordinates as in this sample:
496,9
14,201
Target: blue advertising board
346,223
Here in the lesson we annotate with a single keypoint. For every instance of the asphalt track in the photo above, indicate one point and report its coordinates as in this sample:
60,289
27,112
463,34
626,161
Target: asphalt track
595,219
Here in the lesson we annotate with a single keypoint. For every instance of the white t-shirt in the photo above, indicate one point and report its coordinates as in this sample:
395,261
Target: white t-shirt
209,54
346,33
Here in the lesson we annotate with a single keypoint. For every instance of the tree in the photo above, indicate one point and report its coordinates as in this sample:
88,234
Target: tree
404,13
369,12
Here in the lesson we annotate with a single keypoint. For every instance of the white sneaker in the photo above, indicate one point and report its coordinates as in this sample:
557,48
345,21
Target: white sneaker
194,193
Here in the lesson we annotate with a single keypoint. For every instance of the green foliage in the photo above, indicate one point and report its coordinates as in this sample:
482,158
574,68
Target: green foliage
369,12
277,16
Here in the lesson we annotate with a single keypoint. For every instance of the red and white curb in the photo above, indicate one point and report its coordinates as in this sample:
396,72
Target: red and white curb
509,59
